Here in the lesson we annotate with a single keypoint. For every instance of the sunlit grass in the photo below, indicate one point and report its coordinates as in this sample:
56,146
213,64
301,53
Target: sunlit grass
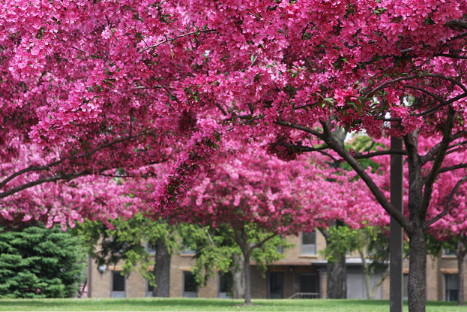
179,304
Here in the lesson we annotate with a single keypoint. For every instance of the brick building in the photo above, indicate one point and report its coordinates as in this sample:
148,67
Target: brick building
302,273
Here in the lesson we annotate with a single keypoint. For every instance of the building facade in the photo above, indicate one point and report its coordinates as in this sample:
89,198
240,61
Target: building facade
302,273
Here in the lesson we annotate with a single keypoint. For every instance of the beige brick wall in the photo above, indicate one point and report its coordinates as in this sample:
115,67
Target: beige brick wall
294,254
292,265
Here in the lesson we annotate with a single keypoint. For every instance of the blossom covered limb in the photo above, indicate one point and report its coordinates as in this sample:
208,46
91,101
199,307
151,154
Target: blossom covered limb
448,204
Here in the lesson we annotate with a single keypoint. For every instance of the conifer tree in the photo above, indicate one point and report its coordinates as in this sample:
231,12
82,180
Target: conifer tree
36,262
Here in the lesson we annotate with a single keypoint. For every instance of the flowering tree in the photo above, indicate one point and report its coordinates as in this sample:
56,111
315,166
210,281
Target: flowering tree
446,213
91,197
255,190
449,212
164,81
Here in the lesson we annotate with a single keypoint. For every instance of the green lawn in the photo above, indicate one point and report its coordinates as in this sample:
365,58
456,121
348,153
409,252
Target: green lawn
176,304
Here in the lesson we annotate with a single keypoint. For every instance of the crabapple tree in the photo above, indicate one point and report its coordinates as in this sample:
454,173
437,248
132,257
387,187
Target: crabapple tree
169,81
252,189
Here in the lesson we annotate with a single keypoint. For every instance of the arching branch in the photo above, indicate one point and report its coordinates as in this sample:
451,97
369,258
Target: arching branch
71,158
440,155
452,168
448,204
54,178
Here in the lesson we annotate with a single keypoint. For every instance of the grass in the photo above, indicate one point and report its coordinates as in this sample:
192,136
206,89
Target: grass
179,304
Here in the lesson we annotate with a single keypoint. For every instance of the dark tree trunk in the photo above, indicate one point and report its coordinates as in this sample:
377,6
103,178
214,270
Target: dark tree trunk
162,270
460,266
337,279
417,271
337,272
247,278
417,215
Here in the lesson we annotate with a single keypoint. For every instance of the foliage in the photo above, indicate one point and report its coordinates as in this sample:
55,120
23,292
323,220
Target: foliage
341,240
36,262
435,247
127,241
215,249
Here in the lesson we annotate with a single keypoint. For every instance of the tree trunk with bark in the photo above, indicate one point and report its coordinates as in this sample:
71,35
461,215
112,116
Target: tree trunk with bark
417,271
420,194
365,270
162,270
239,278
460,265
371,291
337,272
337,279
247,279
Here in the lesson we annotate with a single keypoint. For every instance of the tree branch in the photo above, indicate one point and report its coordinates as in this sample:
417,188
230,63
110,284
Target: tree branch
424,91
440,155
298,127
457,22
380,153
71,158
221,109
58,177
448,204
177,37
399,216
452,80
431,153
451,168
384,84
261,243
454,56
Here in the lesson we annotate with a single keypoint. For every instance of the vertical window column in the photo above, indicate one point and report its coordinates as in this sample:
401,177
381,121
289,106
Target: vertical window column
190,286
276,285
225,285
308,243
118,285
452,291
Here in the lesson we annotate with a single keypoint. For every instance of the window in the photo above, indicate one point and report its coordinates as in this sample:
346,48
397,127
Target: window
150,248
276,285
308,243
190,286
149,289
118,285
309,284
225,285
449,252
187,251
452,282
405,286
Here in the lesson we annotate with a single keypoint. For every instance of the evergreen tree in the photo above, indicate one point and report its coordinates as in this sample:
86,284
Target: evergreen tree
37,262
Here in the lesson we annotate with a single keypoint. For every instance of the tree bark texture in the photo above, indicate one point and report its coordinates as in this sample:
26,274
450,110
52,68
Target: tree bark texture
337,272
162,270
239,278
337,279
417,272
417,215
460,266
369,292
247,278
